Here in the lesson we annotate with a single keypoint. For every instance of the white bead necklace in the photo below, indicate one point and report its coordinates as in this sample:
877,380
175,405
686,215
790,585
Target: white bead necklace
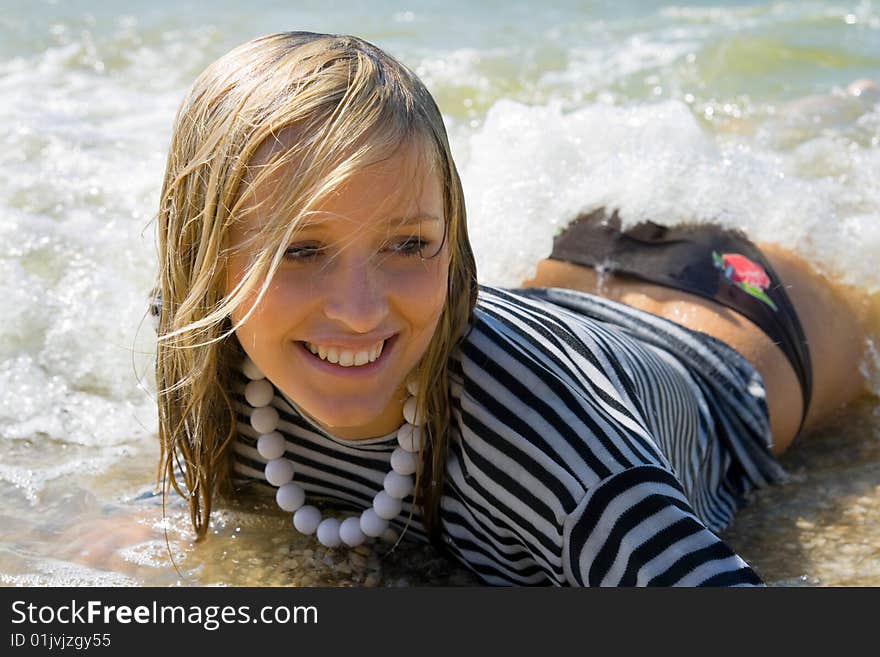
307,519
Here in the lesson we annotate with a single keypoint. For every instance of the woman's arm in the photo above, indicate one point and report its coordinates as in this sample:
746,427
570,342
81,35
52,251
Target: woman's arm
103,541
636,528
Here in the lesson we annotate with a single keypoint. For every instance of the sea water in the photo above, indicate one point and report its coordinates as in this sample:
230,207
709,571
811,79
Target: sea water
728,112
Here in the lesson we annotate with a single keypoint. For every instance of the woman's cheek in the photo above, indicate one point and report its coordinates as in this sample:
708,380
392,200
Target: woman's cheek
287,300
426,292
265,316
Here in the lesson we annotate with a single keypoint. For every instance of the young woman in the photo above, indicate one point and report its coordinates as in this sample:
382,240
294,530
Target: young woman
322,336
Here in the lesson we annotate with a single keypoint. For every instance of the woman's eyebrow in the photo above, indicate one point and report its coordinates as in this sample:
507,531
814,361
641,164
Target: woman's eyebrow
415,219
319,222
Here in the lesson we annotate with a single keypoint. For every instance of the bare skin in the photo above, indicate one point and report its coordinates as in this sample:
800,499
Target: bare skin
833,322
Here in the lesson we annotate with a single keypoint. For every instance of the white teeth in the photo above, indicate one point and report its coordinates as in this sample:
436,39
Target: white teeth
346,358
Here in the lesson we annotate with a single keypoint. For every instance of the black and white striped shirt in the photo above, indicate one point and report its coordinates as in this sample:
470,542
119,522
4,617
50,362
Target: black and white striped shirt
591,444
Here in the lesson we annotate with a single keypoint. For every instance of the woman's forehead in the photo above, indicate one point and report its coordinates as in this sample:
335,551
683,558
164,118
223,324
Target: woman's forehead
296,142
402,187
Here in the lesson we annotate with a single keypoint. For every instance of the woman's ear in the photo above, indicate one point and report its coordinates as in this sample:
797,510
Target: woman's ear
155,307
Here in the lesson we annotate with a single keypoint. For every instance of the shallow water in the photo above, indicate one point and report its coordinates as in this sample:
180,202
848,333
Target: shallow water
821,528
734,112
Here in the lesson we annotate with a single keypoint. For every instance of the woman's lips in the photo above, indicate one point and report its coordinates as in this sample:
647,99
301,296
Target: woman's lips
351,370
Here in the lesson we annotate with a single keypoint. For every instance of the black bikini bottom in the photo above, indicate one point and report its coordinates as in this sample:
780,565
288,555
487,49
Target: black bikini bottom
716,263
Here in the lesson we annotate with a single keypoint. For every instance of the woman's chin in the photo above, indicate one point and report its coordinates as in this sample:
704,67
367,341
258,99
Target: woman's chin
354,421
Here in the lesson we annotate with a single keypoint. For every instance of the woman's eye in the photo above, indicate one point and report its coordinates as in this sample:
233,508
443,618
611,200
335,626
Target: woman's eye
301,252
412,246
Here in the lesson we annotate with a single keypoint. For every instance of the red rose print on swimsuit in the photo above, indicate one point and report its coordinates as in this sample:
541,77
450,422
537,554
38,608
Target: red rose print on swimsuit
747,275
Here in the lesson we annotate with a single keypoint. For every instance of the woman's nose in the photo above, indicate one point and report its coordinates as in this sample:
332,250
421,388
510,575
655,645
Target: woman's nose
355,296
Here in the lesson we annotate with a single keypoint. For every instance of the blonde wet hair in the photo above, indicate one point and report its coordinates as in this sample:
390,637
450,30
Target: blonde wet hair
323,106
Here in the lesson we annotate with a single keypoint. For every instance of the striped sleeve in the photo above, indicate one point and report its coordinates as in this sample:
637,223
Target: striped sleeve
636,528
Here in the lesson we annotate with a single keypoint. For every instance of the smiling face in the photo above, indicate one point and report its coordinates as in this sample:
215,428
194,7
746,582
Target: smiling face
356,300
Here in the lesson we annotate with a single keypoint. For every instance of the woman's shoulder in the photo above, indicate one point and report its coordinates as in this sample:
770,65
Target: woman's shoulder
530,311
522,326
515,314
541,386
511,330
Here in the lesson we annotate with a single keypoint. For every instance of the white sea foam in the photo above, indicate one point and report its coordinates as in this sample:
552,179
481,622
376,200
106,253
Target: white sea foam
592,67
52,572
533,168
153,554
75,259
33,477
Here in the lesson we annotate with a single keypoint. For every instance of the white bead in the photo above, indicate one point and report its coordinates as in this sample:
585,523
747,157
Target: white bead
279,471
350,532
271,445
251,371
290,497
412,387
409,437
264,419
397,485
409,412
371,524
386,506
403,462
306,519
259,392
328,532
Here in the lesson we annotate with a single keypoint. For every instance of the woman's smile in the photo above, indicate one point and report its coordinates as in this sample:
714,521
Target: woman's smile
346,357
346,360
